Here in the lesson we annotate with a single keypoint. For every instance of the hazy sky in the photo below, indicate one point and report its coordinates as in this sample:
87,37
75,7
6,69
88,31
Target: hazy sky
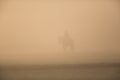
30,31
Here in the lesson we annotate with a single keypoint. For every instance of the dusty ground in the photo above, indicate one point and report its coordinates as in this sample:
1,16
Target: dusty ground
72,72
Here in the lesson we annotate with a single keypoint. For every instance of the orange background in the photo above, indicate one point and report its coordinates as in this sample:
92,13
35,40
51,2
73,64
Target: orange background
29,31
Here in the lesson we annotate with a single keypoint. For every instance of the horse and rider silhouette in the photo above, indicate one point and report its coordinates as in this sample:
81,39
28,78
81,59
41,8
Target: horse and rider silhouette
67,42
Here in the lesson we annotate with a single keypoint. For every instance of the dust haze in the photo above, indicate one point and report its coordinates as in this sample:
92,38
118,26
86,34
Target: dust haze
34,31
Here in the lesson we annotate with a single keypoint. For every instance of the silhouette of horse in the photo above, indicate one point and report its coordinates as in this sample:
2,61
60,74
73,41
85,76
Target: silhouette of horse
66,42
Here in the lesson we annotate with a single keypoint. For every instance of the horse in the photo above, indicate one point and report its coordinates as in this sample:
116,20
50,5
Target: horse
67,42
